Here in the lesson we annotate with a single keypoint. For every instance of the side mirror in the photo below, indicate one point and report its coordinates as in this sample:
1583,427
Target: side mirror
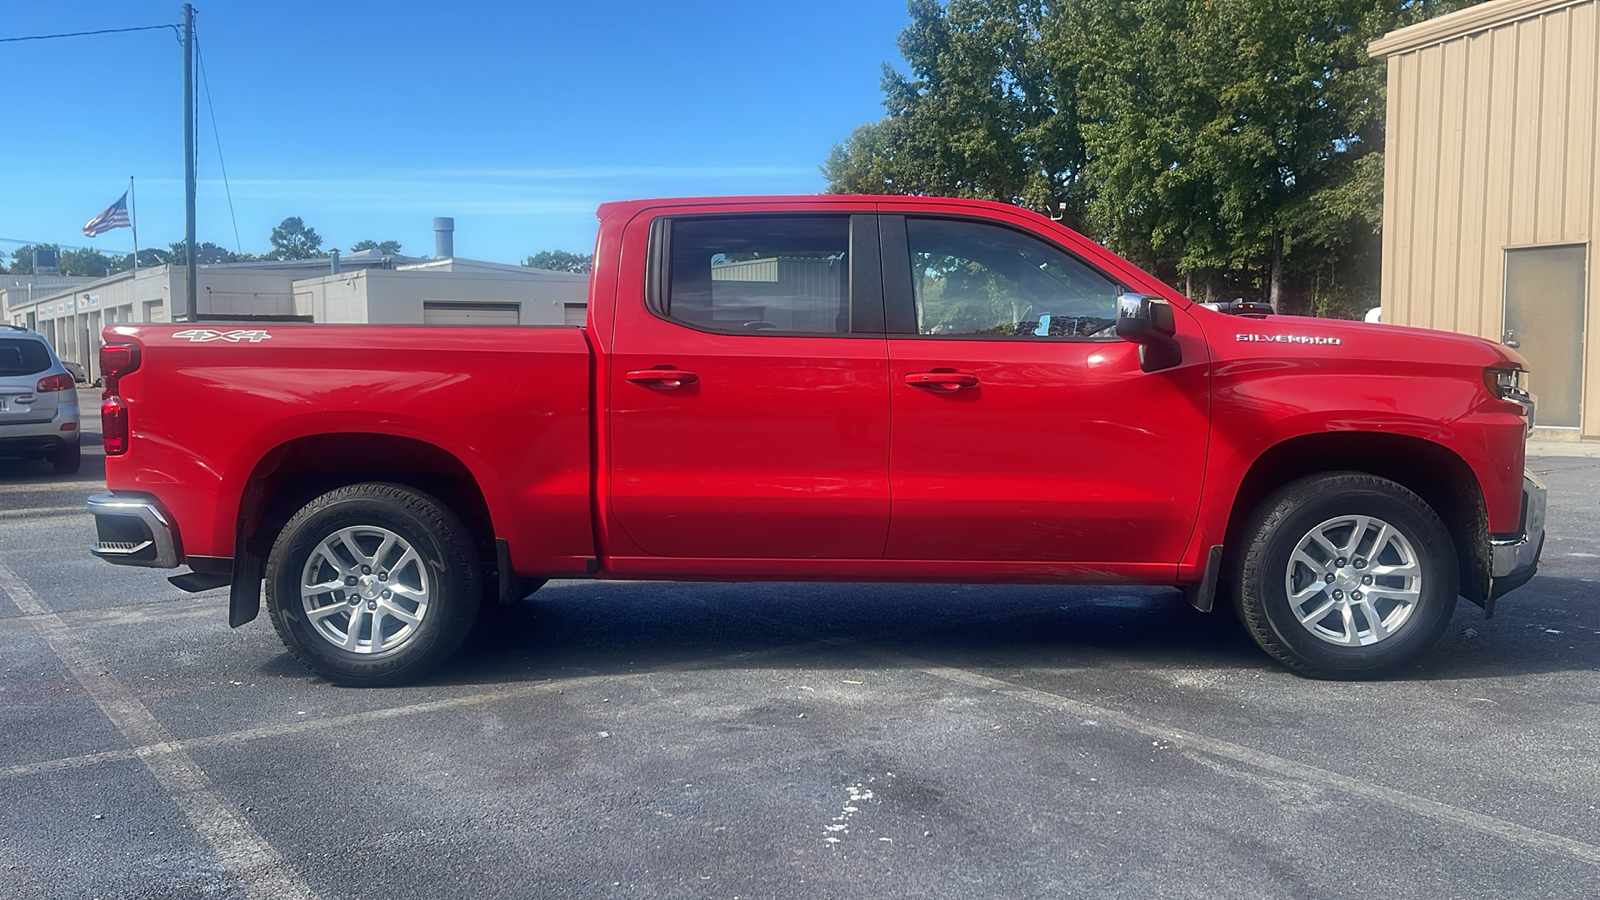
1149,322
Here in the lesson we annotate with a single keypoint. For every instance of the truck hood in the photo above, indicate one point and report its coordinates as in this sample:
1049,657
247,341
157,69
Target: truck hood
1357,340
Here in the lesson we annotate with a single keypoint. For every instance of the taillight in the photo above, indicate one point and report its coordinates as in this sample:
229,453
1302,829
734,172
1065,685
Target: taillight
52,383
114,425
117,360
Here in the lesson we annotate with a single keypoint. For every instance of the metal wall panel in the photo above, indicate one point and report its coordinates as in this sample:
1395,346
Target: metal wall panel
1476,135
1493,115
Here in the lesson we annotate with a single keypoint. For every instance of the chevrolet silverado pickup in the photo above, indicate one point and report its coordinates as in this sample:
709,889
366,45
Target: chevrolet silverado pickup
827,388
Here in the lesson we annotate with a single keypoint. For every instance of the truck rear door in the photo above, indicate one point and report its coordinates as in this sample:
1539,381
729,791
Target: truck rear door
748,410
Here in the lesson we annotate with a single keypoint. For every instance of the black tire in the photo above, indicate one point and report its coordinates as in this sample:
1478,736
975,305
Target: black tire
68,460
444,572
1267,568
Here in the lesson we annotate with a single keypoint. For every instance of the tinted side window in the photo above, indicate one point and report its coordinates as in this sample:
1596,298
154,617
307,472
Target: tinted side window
970,278
761,273
22,356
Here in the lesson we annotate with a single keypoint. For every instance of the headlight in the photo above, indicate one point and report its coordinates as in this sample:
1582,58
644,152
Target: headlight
1506,384
1511,385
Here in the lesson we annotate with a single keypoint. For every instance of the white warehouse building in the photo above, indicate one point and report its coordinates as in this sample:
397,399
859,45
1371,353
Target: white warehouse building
444,292
362,288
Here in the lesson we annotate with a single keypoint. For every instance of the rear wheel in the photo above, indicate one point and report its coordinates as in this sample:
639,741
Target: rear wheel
373,584
1346,576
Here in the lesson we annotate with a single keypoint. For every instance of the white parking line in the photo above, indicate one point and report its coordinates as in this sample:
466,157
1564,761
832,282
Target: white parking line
482,698
121,615
1256,759
22,487
302,726
33,511
152,744
259,869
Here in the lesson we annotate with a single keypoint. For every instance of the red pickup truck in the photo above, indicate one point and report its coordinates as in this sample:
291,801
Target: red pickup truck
827,389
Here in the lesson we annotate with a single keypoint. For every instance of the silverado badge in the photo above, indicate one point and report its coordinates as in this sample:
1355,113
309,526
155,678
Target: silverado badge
1286,339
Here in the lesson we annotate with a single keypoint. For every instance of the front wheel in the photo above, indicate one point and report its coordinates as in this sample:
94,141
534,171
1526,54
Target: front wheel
373,584
1346,576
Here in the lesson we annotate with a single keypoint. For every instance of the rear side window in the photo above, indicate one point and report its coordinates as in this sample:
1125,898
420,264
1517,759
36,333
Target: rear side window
750,275
22,356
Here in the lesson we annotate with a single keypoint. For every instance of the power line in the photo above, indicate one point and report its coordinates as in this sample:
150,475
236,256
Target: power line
46,37
72,34
238,245
7,240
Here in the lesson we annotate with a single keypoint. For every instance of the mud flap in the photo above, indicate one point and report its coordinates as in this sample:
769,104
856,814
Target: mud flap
506,579
244,599
1203,596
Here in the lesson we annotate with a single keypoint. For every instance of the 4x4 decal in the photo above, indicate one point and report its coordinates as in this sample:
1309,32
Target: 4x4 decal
207,335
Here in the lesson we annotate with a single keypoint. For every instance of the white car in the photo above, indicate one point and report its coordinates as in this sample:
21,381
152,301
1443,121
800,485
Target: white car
38,402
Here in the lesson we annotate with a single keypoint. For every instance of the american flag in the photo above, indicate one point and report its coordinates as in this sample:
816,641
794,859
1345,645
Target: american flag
113,216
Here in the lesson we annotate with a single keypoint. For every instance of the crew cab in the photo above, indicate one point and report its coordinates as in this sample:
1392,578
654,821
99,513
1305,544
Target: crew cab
827,388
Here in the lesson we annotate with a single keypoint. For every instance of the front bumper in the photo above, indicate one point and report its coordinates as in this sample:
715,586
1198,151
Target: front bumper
1515,558
132,531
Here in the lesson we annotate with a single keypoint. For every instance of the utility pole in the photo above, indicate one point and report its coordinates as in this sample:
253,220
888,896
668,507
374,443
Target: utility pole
188,160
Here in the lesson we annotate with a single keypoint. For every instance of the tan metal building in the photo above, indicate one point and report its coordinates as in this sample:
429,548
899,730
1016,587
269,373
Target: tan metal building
1489,190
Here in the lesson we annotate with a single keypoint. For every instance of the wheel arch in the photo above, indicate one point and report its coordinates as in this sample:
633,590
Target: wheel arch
1433,472
297,470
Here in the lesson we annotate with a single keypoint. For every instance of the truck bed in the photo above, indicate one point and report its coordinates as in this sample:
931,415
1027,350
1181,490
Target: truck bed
510,405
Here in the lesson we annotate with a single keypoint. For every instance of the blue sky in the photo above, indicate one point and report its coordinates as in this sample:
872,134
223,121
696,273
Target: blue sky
369,119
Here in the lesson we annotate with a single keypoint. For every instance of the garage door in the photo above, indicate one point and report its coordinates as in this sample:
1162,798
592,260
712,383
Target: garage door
453,313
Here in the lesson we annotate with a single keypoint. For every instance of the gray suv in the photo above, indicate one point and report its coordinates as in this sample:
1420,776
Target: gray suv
38,402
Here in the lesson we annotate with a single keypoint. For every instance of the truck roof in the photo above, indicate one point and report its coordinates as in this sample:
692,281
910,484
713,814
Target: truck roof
630,207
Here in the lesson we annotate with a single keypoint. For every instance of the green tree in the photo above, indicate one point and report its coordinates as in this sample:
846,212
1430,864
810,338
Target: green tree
1225,133
150,257
984,112
1230,145
22,258
560,261
291,239
205,254
86,263
93,263
387,248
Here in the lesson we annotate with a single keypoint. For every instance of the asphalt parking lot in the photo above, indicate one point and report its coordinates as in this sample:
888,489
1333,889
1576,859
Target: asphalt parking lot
786,741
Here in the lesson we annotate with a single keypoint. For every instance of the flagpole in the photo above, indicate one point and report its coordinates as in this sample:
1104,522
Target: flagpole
133,216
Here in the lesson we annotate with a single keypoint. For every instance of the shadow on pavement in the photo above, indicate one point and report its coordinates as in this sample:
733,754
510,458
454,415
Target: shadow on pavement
587,629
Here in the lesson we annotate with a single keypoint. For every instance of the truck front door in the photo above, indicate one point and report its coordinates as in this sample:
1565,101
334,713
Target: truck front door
1024,430
748,410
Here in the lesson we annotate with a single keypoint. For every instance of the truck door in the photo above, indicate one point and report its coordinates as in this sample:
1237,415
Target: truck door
1023,428
748,410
